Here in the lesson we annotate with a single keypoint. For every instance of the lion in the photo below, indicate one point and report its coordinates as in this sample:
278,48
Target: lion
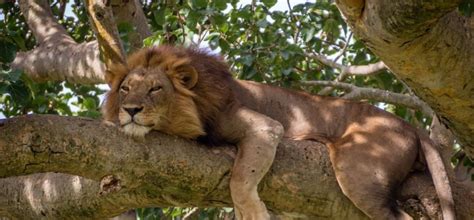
191,93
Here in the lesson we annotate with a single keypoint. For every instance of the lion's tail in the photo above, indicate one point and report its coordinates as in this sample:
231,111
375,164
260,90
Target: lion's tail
439,176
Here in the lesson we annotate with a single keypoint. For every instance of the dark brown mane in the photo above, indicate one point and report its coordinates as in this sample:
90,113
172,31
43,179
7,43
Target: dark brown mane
212,89
210,94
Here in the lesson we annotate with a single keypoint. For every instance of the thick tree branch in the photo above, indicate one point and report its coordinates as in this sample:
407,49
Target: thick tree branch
131,12
359,93
429,45
103,23
160,170
58,57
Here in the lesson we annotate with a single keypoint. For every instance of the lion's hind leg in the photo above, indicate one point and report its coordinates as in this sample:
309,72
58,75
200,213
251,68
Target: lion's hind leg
257,137
369,173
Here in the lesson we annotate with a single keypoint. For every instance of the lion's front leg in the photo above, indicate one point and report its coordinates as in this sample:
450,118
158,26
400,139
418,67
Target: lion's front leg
257,137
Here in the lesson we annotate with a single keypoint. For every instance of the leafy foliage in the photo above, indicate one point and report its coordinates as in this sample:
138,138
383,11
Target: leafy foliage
466,7
176,213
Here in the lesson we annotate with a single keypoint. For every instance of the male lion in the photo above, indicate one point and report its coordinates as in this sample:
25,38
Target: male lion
190,93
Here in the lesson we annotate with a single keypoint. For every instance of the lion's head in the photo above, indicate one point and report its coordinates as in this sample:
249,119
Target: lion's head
160,89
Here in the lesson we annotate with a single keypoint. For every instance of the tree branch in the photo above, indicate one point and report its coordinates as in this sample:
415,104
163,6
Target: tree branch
359,93
106,32
363,70
345,71
119,173
429,46
131,12
58,57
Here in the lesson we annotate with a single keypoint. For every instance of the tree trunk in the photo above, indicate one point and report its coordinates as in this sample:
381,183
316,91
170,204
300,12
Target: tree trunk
427,44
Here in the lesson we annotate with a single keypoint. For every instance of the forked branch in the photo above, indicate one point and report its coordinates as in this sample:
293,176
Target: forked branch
58,57
358,93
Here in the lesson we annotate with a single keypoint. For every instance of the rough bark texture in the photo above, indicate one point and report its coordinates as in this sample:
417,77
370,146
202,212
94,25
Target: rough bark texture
58,57
102,21
131,12
163,171
430,47
119,173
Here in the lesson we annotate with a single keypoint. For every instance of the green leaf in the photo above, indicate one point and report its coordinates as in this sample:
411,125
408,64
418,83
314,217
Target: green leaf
331,27
466,7
309,34
160,16
219,19
269,3
224,27
247,60
262,23
224,45
19,92
14,75
8,52
245,13
285,55
3,88
197,4
89,103
220,4
192,19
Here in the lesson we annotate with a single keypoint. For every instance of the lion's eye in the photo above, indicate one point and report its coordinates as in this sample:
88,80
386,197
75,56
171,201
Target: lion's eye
155,89
124,88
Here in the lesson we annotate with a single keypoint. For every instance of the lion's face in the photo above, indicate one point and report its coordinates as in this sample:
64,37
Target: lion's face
145,97
154,91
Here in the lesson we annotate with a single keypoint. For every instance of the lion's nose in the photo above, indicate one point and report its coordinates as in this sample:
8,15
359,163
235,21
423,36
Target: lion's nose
133,111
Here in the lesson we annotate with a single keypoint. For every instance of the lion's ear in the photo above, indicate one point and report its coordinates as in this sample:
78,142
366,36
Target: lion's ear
185,73
188,75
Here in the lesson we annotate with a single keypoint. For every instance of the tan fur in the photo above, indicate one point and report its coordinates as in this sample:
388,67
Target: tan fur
372,151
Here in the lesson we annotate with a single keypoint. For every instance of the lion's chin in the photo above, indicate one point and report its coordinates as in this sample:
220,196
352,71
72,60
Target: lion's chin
136,130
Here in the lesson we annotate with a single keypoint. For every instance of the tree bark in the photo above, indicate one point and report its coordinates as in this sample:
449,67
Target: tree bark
58,57
427,44
106,32
131,11
119,173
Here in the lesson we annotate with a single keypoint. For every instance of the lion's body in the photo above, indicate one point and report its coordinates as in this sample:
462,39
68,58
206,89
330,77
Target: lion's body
372,151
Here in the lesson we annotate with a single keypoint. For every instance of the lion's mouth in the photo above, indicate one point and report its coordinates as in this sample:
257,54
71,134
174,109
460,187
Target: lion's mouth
135,129
136,123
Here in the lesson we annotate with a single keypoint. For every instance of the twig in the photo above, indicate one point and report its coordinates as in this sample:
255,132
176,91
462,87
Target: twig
358,93
294,21
190,213
344,49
